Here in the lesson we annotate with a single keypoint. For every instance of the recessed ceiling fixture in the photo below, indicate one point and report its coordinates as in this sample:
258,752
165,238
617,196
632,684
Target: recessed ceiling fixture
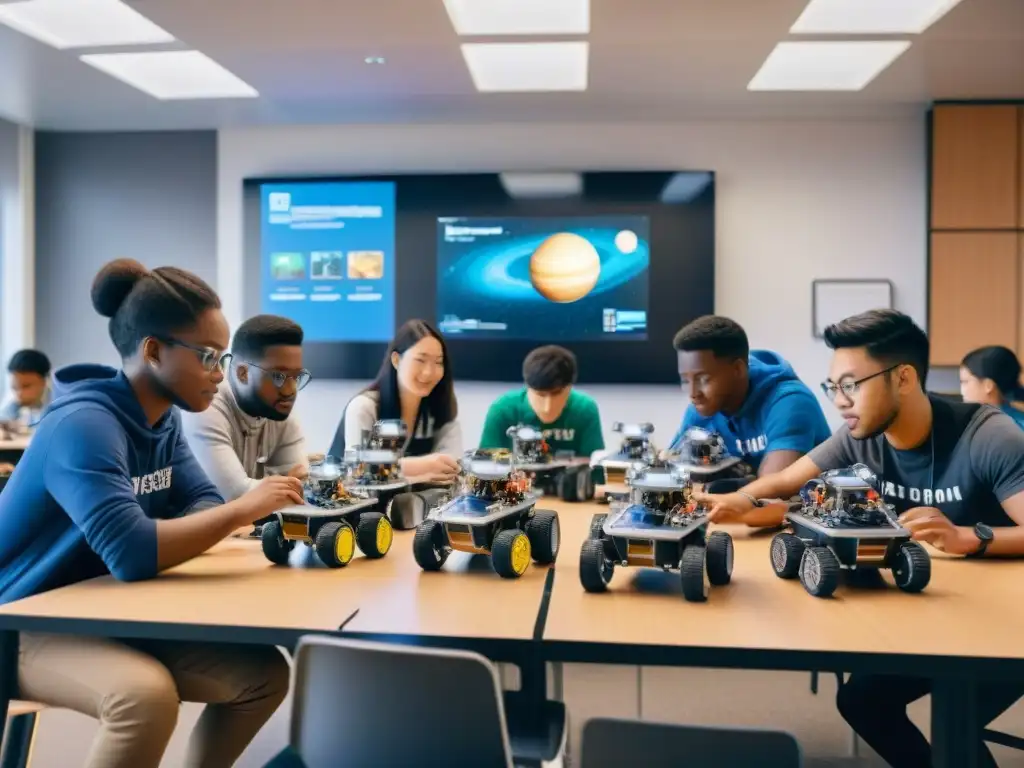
374,59
82,23
542,185
870,17
527,66
519,17
169,75
840,65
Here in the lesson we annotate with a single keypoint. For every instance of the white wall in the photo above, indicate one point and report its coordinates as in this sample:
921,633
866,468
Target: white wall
17,261
795,201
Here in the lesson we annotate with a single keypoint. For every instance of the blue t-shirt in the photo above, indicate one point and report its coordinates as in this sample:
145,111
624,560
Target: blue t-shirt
779,414
1014,413
86,495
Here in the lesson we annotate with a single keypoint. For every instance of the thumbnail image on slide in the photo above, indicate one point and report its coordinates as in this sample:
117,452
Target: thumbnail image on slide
328,252
568,279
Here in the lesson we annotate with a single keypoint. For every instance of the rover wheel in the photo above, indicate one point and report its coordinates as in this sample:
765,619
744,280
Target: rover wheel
510,553
819,571
786,551
912,567
596,570
568,489
429,546
275,546
335,544
374,534
584,485
693,573
597,525
543,532
720,557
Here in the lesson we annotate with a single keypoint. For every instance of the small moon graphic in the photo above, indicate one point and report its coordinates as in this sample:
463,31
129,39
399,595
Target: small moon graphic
626,241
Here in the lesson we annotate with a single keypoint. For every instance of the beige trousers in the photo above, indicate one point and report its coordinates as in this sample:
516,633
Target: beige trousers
134,688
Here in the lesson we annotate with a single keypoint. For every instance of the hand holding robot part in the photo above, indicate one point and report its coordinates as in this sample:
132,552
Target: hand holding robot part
437,466
929,525
272,493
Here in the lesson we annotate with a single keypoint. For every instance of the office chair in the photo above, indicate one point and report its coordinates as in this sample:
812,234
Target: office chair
614,743
363,704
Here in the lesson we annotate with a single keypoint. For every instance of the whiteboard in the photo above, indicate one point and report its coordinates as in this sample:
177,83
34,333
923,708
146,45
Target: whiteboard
835,300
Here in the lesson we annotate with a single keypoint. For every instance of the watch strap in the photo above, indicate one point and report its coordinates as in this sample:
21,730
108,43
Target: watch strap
751,499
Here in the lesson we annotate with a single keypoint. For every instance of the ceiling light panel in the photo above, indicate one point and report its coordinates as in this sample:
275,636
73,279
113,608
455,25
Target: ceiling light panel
519,17
870,17
842,65
170,75
82,23
521,67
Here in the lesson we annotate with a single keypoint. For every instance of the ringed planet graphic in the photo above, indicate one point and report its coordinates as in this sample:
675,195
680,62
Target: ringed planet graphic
565,267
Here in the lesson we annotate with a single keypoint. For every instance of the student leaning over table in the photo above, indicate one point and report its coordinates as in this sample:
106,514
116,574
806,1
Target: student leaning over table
108,484
953,471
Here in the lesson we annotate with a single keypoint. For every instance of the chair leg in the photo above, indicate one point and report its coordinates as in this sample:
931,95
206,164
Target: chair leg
17,748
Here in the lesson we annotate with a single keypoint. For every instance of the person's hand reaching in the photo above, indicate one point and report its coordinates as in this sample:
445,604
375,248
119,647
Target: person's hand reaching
272,493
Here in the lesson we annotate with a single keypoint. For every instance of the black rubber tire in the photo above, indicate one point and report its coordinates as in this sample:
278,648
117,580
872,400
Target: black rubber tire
597,525
912,567
819,571
276,547
545,536
692,573
583,484
502,549
325,543
429,546
786,551
589,472
567,490
596,570
367,534
720,558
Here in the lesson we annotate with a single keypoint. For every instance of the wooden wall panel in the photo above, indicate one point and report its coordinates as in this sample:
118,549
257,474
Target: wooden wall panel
975,280
975,167
1020,172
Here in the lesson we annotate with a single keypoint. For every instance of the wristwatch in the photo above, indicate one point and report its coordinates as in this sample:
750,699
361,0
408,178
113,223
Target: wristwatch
984,533
751,499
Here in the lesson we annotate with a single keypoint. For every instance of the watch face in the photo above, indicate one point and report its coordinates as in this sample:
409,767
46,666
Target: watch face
983,531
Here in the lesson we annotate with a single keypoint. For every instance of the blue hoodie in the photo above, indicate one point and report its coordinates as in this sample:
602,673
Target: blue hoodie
779,414
84,498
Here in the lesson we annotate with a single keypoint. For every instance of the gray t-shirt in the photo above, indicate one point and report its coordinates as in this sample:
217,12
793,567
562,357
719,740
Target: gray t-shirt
971,463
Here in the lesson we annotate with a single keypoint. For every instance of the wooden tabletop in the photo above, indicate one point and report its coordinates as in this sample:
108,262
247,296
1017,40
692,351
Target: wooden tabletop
14,444
465,599
970,608
231,585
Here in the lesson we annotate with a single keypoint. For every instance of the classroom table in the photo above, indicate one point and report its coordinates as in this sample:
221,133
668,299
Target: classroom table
965,626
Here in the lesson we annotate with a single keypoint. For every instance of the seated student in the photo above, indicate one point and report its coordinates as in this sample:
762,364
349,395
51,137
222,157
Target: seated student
953,471
108,485
415,385
30,387
569,420
753,399
991,375
250,417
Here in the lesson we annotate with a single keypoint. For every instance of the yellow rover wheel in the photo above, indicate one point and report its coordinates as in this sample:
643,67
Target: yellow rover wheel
511,553
374,534
335,544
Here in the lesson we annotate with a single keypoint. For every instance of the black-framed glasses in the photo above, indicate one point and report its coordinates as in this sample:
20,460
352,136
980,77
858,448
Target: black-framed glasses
209,358
278,378
849,388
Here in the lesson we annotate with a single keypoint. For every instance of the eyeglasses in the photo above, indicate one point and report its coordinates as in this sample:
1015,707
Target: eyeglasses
209,358
278,378
849,388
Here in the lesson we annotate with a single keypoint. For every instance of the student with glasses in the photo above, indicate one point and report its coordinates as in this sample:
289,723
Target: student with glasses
249,427
954,472
108,485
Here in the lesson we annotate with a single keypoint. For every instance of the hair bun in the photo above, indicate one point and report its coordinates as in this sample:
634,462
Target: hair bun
113,283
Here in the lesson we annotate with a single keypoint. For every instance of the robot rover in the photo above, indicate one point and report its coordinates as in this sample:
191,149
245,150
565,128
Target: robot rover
333,521
493,511
842,523
635,447
660,526
374,469
703,456
560,474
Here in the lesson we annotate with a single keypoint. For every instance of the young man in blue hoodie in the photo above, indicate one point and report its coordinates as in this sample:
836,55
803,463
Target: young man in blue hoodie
109,485
753,399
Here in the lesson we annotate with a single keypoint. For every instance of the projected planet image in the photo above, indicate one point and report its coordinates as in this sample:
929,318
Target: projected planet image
565,268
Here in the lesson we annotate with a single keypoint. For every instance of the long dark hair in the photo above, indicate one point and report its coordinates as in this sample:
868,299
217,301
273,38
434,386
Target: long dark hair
998,364
440,403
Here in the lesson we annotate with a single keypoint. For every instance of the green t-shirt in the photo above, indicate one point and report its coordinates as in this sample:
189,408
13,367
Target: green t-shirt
577,428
